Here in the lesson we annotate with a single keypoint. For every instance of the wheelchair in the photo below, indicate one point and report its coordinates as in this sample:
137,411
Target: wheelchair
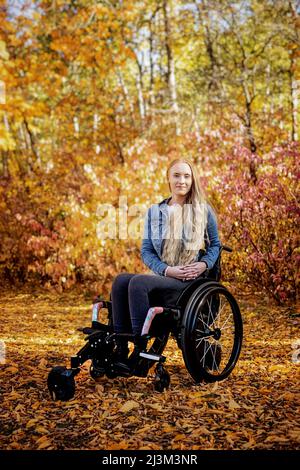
205,321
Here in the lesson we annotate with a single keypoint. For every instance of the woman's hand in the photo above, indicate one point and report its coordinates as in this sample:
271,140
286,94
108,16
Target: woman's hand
176,271
193,270
187,272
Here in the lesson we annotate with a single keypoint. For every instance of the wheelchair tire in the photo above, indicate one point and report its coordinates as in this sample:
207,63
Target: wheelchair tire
210,344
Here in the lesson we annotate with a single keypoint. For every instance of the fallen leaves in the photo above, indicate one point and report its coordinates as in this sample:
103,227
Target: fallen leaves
255,408
233,405
43,442
128,406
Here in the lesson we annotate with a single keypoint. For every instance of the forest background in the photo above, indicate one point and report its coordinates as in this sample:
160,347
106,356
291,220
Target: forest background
98,97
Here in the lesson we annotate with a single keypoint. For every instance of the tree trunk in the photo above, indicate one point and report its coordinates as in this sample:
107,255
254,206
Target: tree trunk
170,74
249,131
126,95
293,99
139,86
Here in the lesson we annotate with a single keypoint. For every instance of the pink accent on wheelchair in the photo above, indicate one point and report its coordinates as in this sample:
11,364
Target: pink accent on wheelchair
152,312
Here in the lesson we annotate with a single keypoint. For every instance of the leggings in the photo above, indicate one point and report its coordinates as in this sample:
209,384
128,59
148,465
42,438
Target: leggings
133,294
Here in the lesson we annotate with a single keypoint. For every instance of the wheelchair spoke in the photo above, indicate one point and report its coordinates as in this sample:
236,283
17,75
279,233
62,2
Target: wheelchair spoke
201,318
210,311
199,341
215,318
215,364
199,331
226,321
206,350
218,317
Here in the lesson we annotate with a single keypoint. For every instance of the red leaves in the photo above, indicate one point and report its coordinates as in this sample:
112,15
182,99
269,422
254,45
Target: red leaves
262,220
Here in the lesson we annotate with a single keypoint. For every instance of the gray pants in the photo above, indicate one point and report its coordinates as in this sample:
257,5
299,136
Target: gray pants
133,294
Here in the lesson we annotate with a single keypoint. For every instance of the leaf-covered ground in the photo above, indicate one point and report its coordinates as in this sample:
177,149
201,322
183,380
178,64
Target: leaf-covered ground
255,408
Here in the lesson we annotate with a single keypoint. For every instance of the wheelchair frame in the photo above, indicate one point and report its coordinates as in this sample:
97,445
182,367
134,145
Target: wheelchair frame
194,321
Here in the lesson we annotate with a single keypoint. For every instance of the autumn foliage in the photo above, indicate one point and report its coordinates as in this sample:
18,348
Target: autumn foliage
96,99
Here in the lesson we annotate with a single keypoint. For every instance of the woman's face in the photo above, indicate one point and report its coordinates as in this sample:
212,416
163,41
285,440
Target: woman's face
180,179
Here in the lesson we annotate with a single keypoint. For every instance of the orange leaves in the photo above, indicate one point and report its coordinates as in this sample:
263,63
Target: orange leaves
254,408
12,370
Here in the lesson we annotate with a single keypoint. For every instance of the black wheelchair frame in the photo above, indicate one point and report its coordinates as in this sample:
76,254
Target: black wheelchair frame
210,343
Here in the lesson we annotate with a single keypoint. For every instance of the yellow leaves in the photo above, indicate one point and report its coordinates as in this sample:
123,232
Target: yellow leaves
14,395
288,396
233,405
35,405
31,423
168,429
250,444
201,431
229,437
276,367
3,52
43,442
128,406
42,363
41,430
99,389
178,437
6,141
118,446
156,406
151,446
276,438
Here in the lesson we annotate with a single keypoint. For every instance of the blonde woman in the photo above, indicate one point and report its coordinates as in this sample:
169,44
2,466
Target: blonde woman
180,243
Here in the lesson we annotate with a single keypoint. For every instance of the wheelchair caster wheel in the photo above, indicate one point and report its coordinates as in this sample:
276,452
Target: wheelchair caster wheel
162,378
96,372
61,383
111,374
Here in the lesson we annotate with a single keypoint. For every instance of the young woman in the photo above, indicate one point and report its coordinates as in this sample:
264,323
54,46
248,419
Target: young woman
180,243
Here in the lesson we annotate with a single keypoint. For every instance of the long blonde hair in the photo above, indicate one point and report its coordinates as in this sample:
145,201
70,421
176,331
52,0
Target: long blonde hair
186,225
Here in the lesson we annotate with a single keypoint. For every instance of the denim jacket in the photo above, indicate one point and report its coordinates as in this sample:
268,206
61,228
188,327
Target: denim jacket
156,226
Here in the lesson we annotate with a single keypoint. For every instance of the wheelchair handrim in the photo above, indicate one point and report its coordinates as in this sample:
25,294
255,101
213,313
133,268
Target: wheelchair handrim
198,371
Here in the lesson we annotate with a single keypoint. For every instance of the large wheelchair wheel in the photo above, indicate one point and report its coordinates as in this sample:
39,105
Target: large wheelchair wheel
212,333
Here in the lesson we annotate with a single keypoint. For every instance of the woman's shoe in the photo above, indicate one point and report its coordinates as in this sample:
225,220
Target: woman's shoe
129,364
121,352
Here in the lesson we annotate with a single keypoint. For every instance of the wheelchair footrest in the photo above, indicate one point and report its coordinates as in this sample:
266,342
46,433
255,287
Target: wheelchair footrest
152,357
